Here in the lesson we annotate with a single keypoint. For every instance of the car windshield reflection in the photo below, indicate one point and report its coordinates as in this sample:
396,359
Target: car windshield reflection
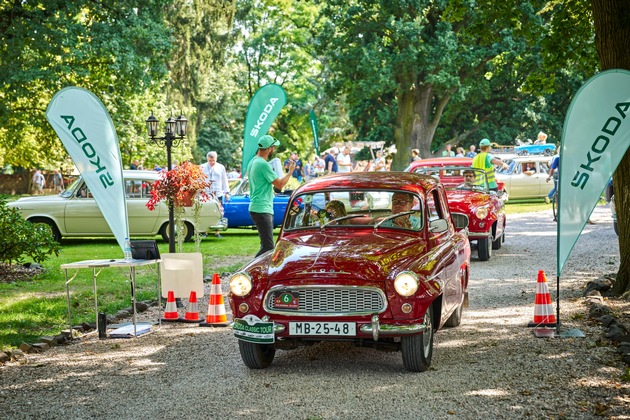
352,209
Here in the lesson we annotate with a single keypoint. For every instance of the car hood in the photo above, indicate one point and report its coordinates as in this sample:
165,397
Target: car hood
37,199
462,200
367,257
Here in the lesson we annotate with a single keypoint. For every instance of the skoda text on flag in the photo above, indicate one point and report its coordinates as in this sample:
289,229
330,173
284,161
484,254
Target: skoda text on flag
261,113
86,130
315,132
595,138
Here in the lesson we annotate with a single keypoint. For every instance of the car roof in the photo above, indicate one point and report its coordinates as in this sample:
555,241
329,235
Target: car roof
140,174
378,180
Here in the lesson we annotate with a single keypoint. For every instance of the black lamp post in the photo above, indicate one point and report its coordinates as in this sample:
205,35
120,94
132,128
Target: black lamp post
174,132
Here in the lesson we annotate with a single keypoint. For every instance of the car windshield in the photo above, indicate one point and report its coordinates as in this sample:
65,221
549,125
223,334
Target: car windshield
457,177
355,209
70,190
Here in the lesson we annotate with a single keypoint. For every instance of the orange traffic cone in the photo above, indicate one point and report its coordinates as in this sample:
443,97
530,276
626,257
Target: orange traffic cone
543,309
192,311
170,312
216,316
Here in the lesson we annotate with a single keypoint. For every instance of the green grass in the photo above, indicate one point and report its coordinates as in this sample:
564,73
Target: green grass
526,206
37,307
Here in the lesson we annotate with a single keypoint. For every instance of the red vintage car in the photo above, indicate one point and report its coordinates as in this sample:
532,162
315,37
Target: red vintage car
485,209
372,258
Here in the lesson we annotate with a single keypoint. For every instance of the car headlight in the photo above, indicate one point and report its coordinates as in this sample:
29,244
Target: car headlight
406,283
482,212
240,284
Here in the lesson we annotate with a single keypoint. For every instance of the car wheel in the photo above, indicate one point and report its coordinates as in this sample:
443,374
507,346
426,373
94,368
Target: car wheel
484,249
189,230
53,227
547,152
503,236
496,244
524,153
417,349
456,317
256,356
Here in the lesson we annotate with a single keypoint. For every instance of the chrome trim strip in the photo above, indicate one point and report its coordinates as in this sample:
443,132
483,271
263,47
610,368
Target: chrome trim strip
390,329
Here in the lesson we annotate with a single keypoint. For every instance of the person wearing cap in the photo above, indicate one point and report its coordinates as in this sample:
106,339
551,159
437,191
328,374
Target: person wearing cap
331,160
262,180
485,161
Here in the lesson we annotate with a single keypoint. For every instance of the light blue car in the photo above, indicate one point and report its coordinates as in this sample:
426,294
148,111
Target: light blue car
535,149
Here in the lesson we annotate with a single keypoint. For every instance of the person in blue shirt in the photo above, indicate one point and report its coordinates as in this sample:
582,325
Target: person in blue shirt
554,172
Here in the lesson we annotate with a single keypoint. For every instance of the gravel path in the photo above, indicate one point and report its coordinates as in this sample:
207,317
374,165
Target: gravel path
490,367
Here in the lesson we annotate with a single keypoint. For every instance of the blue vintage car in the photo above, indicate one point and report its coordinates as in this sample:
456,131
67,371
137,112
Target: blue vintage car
535,149
235,209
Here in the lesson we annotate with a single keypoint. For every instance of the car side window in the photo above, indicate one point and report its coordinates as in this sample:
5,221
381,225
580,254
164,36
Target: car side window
543,168
433,206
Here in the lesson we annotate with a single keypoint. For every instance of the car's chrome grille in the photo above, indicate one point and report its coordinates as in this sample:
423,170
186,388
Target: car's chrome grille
327,300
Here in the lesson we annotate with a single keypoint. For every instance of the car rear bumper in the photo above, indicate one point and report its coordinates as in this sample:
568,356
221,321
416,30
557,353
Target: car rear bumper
222,225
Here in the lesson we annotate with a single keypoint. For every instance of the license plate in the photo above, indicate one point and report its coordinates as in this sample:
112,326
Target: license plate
322,328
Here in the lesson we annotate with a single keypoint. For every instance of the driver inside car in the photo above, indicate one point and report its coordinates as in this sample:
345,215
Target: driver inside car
401,203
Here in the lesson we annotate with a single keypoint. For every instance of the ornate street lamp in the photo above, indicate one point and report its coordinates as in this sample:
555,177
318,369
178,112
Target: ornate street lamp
174,133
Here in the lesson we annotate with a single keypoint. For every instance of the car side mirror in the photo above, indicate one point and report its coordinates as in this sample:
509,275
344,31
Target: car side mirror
438,226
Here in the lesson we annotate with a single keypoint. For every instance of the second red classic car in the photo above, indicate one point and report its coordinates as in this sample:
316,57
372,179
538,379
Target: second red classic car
485,209
372,258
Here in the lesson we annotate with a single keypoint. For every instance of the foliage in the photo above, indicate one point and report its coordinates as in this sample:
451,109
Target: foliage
219,136
402,64
116,49
176,185
21,238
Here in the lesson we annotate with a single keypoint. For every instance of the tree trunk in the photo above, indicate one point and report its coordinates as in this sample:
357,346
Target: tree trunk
419,113
612,39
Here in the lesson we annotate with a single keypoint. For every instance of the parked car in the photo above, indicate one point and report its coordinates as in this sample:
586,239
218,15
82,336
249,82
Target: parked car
74,212
236,207
535,149
519,182
484,208
350,266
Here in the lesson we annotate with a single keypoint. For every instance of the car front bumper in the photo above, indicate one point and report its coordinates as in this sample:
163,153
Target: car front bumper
222,225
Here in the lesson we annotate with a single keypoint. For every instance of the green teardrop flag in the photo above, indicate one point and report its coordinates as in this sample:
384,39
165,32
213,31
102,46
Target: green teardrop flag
315,132
261,113
595,138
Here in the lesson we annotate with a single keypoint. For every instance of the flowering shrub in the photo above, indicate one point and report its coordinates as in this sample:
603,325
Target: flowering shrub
175,185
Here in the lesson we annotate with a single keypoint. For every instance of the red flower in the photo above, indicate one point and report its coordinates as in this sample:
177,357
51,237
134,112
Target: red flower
179,182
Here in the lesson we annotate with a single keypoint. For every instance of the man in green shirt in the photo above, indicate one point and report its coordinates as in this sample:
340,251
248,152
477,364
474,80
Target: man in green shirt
262,179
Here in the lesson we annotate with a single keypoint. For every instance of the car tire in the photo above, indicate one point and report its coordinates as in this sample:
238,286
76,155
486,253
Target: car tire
547,152
456,317
53,227
189,230
524,153
417,349
484,249
256,356
496,244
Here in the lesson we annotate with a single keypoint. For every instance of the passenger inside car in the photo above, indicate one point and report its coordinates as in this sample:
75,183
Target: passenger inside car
529,168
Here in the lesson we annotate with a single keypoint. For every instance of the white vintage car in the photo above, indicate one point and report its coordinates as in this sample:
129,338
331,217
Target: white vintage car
526,177
74,212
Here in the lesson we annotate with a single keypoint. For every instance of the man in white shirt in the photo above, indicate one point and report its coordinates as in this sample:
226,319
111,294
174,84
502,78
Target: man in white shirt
217,174
344,161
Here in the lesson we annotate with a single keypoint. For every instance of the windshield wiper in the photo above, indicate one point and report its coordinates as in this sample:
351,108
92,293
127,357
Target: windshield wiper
350,216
